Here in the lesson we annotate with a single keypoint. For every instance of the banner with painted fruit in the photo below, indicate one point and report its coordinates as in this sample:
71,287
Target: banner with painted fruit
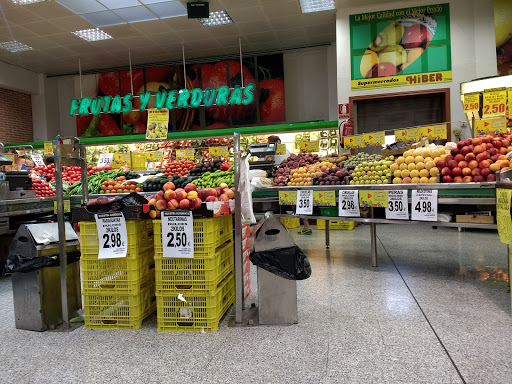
267,105
400,47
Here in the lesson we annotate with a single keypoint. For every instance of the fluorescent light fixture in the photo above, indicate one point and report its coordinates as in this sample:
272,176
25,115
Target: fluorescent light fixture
14,46
217,18
309,6
25,2
94,34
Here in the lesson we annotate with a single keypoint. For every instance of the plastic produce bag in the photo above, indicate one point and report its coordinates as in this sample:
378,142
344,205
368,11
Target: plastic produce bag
246,193
20,263
260,182
256,173
289,263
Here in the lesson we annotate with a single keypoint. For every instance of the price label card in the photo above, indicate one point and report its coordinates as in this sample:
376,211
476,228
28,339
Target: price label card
67,207
424,205
398,206
349,204
112,235
105,159
185,154
373,199
401,135
413,134
218,151
440,132
309,146
281,149
359,141
349,142
48,147
156,156
38,160
287,198
494,103
304,202
121,160
324,198
379,138
178,234
368,140
471,102
510,101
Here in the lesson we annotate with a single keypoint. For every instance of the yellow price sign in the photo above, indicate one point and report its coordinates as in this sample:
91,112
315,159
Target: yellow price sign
10,157
120,160
185,154
401,135
349,142
471,102
373,199
287,198
67,207
413,134
48,147
309,146
359,141
503,219
379,138
434,132
281,149
218,151
486,126
156,156
494,103
510,101
367,140
324,198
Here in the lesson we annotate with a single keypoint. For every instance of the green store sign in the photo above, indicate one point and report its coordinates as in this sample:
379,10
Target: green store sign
184,98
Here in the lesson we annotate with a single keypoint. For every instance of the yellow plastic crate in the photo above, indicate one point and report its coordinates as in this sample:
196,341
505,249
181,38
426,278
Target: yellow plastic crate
117,275
121,311
336,224
197,275
140,238
290,222
209,234
199,313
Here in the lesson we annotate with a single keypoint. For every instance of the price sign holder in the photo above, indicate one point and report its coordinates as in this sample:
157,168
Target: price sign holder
112,235
304,202
324,198
38,160
398,205
178,234
424,205
105,159
349,204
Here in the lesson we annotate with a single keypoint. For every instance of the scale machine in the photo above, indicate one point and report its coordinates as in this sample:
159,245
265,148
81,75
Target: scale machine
262,150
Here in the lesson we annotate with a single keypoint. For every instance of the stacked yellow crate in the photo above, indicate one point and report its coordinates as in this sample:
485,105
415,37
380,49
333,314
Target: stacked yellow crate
118,293
206,282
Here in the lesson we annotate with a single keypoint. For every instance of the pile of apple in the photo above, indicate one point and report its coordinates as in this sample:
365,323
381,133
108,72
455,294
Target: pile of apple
294,161
476,160
189,197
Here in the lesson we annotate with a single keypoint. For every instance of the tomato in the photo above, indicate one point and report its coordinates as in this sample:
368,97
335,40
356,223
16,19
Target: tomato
272,101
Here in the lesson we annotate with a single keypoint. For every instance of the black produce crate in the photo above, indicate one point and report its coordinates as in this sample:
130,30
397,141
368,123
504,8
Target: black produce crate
132,212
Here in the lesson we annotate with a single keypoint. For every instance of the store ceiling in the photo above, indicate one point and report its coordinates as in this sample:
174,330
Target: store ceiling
262,24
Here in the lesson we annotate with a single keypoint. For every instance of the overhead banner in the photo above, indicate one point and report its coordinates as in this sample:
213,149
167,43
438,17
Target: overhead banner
503,32
399,47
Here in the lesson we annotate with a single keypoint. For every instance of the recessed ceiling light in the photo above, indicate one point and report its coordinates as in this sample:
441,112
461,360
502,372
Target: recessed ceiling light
14,46
94,34
25,2
217,18
309,6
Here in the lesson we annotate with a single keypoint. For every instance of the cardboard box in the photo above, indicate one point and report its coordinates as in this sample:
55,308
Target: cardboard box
476,219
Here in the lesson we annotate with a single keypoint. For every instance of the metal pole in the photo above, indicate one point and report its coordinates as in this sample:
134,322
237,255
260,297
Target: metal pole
83,165
63,259
373,235
239,278
80,74
184,69
241,65
327,234
131,74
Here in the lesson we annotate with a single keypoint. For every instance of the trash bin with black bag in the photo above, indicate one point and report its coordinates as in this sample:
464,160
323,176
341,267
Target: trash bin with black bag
280,264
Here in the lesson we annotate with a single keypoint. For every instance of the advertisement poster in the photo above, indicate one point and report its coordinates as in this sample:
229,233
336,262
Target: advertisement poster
399,47
158,121
503,32
266,106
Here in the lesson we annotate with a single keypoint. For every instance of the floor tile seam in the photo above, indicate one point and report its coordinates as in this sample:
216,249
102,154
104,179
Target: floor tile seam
424,314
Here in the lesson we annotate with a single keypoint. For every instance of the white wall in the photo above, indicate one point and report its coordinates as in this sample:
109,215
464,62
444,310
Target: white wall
472,43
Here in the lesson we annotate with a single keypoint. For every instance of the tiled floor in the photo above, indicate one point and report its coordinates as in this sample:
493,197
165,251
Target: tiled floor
421,317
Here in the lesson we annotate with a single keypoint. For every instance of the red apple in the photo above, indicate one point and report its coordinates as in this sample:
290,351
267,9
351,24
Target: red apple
466,171
211,198
161,205
487,139
224,197
212,192
170,206
467,179
196,203
175,203
484,164
452,164
457,179
446,171
463,164
168,186
478,179
488,146
461,144
229,193
505,142
465,150
169,194
497,144
190,187
384,70
482,156
485,172
492,151
448,158
472,147
458,157
503,150
181,195
476,171
417,35
441,164
491,177
477,141
473,164
455,151
470,156
494,158
456,171
447,179
479,148
160,195
219,191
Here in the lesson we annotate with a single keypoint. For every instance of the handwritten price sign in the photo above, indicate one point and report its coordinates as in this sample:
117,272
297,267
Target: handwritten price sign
494,103
471,102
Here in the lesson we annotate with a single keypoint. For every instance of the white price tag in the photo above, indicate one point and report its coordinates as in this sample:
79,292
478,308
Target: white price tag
424,205
178,234
105,159
349,204
112,235
398,205
38,160
304,202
